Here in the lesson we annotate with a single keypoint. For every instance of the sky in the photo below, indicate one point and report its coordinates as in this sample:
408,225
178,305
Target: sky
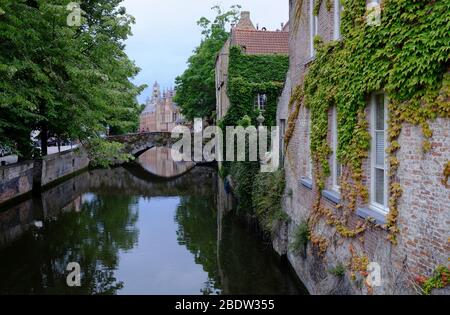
166,33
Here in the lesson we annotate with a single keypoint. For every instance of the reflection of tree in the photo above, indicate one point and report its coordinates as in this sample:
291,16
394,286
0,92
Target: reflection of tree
92,237
249,265
197,230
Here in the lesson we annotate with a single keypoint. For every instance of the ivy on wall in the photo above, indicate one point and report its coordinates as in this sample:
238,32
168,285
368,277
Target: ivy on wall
438,280
268,190
407,56
318,4
248,76
446,175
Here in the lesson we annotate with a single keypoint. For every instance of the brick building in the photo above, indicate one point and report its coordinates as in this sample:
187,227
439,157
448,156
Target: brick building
424,207
160,113
252,41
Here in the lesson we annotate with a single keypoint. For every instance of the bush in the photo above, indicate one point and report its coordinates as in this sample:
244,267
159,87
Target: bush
268,190
244,174
301,237
338,271
103,153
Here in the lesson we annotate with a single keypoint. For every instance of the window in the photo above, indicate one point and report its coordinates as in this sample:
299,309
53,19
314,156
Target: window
308,141
379,173
337,167
338,8
261,102
313,27
282,134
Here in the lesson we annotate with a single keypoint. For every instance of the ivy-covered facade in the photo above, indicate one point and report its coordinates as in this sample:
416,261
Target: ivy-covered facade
250,73
366,111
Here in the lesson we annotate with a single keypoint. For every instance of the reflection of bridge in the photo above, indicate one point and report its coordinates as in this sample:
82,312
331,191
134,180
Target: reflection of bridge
158,161
132,181
119,181
137,143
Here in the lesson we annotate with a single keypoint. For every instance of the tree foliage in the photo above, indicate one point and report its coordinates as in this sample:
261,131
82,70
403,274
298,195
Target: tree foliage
67,81
196,93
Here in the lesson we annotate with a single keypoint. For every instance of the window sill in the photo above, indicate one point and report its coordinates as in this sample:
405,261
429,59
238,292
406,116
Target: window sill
309,60
306,182
366,213
332,196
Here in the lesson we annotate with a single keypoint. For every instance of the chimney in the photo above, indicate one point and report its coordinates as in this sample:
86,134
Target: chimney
245,23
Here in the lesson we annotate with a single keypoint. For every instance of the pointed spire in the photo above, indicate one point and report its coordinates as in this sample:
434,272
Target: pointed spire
245,23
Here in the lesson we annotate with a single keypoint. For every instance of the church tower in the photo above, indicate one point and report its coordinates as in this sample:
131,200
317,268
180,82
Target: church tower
156,94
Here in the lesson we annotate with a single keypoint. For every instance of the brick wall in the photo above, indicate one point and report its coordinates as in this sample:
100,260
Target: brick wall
15,180
424,208
59,165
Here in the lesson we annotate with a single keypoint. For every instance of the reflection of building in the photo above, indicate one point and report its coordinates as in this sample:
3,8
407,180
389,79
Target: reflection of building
160,113
158,161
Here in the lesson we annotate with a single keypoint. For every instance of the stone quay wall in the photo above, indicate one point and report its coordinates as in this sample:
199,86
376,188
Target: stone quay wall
20,179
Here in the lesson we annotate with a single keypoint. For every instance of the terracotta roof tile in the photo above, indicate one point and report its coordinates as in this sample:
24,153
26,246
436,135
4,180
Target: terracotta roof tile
261,42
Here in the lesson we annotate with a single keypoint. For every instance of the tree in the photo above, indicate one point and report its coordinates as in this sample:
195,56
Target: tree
68,81
196,86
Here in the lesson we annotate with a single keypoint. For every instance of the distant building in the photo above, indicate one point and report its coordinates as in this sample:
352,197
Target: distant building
160,114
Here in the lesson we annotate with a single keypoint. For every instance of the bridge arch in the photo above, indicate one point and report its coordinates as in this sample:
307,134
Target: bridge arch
137,143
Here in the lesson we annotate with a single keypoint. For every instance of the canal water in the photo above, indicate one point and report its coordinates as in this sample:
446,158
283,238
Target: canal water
133,233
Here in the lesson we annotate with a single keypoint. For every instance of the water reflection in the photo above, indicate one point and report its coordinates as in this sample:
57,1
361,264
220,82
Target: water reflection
201,242
93,237
158,161
132,235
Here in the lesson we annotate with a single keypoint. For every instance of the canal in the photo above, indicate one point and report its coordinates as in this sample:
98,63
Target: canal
133,232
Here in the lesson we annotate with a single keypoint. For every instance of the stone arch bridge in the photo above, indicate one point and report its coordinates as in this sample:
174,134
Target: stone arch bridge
136,143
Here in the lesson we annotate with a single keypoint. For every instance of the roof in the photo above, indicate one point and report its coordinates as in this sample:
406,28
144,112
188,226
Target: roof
149,108
257,42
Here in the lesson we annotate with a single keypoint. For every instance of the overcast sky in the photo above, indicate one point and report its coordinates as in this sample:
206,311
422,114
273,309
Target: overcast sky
166,32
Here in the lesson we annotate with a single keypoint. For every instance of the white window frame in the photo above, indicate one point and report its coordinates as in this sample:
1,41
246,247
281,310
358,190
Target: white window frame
282,139
313,27
338,8
336,185
383,209
258,102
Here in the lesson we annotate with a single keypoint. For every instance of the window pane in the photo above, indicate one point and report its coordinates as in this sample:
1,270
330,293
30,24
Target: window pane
315,25
379,112
379,150
338,172
263,101
379,186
